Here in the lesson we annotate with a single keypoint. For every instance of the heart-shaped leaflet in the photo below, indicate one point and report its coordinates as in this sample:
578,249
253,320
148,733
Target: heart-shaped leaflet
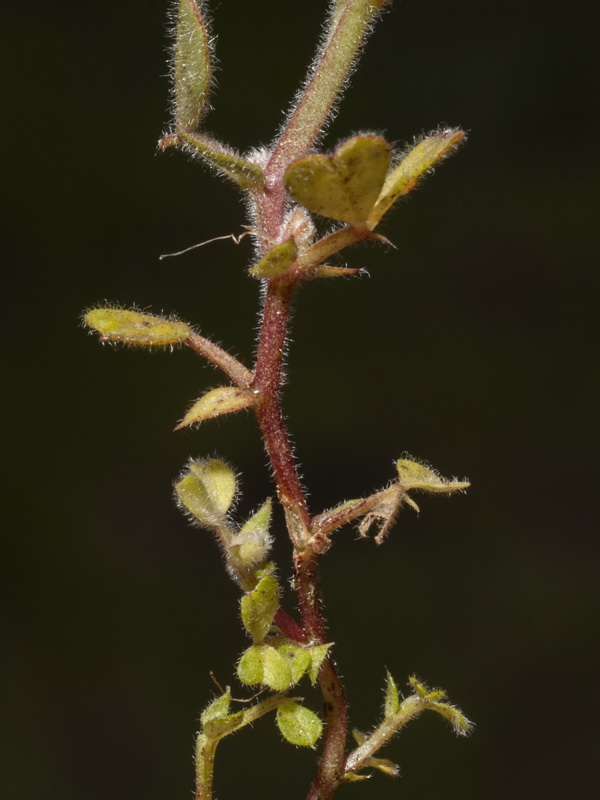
345,185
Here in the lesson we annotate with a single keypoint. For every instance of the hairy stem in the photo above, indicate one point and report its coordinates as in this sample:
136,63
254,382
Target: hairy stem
205,767
206,746
331,764
348,25
238,373
268,382
326,247
411,707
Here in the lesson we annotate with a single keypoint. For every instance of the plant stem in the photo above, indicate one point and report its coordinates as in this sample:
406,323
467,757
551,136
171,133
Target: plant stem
324,248
205,767
268,380
348,25
411,707
238,373
206,746
331,764
288,626
267,383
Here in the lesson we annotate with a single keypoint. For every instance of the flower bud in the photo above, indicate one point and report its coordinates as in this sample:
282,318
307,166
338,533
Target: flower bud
206,490
135,327
250,547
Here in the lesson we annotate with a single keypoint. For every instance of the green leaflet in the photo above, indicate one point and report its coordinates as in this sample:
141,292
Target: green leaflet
415,163
318,653
299,725
216,719
259,606
414,475
392,701
277,261
299,660
345,185
215,403
264,665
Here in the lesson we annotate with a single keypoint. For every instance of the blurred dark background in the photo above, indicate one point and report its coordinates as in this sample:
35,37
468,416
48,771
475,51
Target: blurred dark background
473,345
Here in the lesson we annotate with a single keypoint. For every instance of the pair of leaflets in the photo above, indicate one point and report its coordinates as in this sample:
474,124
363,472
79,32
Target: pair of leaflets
355,184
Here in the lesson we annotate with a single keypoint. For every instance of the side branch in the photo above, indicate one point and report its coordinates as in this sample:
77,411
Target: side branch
230,365
411,707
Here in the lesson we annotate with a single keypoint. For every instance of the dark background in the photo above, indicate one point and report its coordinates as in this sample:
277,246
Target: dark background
473,345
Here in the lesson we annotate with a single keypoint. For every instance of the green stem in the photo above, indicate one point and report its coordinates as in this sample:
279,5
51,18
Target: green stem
348,24
347,27
331,244
205,766
410,708
206,746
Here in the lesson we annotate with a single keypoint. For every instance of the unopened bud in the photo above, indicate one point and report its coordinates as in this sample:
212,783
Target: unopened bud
250,547
135,327
206,490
